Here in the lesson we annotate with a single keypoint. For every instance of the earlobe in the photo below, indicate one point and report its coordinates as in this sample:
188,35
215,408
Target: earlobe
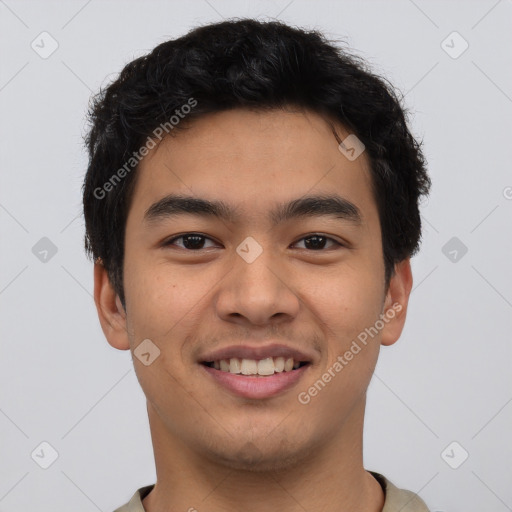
397,299
111,313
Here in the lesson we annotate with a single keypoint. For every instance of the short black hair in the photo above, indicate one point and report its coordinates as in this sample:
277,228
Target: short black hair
245,63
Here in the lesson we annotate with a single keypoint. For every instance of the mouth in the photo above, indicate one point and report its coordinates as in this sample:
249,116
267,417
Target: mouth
253,367
256,379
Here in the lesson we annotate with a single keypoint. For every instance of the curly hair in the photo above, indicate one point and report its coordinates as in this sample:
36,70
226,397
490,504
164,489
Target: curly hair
246,63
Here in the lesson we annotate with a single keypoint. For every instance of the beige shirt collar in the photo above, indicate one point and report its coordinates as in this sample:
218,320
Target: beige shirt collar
396,500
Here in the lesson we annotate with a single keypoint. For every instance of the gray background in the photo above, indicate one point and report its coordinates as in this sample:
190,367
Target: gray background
446,380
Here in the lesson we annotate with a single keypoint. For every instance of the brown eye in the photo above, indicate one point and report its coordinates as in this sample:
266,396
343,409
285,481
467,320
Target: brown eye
190,241
318,242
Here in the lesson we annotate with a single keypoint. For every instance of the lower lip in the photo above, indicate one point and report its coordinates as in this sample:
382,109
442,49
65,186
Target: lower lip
258,387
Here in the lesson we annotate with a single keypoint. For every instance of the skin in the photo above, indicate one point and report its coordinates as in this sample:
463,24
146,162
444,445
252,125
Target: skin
214,450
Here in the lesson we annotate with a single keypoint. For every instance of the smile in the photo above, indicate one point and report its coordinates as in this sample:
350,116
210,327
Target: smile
262,367
256,379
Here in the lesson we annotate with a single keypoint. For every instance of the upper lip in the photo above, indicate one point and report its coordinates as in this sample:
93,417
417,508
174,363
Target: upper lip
256,352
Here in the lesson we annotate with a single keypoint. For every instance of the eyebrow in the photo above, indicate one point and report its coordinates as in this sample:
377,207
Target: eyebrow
331,205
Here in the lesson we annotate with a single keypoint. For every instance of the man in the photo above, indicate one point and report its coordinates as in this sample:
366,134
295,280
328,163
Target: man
251,205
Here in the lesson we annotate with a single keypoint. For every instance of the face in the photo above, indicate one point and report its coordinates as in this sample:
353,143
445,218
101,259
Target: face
254,281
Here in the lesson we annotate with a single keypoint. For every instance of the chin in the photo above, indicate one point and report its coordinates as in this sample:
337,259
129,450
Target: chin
259,457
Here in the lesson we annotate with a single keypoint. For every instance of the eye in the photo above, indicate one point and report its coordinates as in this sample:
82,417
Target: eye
317,242
191,241
196,241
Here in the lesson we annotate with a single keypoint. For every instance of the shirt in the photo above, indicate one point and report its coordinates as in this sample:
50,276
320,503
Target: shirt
395,499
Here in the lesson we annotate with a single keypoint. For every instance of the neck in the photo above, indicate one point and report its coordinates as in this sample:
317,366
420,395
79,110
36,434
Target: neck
329,478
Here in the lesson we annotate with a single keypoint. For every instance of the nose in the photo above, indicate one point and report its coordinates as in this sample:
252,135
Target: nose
258,293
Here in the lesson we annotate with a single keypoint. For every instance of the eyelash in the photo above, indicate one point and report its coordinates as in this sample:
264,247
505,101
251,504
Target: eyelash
172,240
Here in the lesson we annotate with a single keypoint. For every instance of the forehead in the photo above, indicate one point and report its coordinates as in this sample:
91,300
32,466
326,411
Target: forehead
253,160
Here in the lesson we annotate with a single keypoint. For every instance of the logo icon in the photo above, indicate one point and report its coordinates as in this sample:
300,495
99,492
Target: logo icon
454,455
44,455
351,147
44,250
44,45
454,45
454,249
146,352
249,249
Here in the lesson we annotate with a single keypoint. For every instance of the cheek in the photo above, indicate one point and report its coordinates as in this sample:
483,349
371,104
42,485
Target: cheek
351,353
335,393
350,307
164,300
348,300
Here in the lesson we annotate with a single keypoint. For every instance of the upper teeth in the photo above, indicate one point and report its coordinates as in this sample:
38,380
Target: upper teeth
256,367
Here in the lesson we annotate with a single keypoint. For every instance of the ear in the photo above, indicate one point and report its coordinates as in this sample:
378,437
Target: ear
395,304
111,313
